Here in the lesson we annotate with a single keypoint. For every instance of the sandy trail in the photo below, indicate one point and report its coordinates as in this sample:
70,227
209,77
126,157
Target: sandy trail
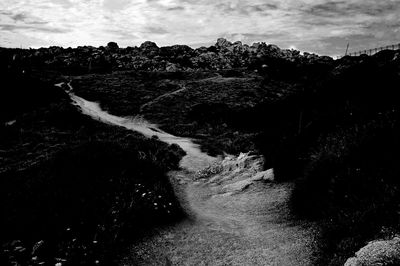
232,219
229,227
157,99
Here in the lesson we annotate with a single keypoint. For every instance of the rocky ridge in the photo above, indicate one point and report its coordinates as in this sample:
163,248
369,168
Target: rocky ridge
149,57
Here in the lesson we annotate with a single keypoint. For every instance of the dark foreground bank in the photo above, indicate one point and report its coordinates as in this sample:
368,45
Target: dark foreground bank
73,190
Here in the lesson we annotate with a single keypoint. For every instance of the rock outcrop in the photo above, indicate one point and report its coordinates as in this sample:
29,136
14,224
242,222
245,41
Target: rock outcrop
267,175
149,57
236,173
112,46
380,252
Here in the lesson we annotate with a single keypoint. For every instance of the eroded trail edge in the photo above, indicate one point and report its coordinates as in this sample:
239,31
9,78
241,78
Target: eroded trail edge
236,215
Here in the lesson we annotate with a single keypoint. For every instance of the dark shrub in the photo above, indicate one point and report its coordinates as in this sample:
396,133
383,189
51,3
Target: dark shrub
352,180
22,93
209,112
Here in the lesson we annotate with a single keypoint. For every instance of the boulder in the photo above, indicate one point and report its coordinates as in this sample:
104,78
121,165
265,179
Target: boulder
221,42
201,50
112,46
267,175
148,45
379,252
170,67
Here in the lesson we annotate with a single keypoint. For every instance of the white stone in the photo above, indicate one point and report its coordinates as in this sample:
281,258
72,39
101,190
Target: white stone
267,175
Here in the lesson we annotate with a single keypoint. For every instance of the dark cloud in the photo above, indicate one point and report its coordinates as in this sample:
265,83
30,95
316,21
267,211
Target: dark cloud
307,22
176,8
328,9
23,18
374,9
37,22
264,7
261,9
388,25
155,30
6,13
13,28
121,34
226,8
246,9
19,17
347,9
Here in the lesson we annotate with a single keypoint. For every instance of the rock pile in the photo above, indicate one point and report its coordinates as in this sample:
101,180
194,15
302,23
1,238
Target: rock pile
236,173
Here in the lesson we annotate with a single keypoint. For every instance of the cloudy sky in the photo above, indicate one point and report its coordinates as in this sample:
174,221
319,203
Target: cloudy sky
321,26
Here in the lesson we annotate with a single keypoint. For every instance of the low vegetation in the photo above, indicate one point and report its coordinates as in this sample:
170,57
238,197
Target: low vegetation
211,107
349,177
73,189
351,181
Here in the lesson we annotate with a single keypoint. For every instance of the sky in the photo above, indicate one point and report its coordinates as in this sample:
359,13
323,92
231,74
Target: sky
319,26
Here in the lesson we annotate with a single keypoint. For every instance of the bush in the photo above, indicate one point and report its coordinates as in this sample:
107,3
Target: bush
352,181
22,93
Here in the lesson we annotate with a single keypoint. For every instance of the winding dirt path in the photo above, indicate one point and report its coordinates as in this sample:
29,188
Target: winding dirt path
232,218
250,226
155,100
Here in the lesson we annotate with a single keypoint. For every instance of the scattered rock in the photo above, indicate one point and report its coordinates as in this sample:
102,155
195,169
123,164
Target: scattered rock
37,247
221,42
171,67
10,123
